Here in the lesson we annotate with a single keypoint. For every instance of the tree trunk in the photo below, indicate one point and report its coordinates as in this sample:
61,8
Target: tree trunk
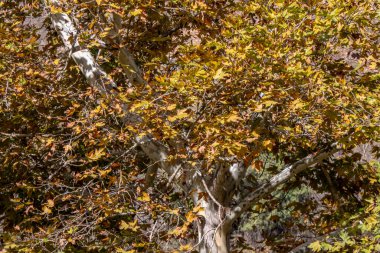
214,231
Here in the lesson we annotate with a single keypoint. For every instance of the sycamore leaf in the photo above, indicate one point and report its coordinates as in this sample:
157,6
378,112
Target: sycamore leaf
55,10
268,144
104,173
220,74
96,154
315,246
129,226
180,115
145,197
99,124
270,103
233,117
186,247
136,12
50,203
171,107
252,137
46,210
139,105
297,104
49,141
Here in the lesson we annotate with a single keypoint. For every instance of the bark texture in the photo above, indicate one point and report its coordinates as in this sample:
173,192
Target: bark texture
98,78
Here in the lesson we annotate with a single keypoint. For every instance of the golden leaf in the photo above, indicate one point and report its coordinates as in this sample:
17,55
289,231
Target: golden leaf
186,247
145,197
46,210
136,12
130,225
315,246
180,115
171,107
96,154
50,203
268,144
220,74
233,117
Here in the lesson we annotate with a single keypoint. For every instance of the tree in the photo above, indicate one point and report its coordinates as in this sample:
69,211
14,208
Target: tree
214,87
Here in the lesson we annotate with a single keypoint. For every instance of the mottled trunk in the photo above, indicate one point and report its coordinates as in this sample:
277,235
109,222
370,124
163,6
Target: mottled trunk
215,231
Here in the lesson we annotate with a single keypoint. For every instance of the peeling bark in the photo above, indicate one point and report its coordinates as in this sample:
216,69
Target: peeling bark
98,78
214,230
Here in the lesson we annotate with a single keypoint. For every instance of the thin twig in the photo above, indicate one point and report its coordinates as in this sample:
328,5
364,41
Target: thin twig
208,190
173,176
200,241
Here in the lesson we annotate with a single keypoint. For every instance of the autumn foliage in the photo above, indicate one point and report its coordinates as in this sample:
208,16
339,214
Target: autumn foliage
198,111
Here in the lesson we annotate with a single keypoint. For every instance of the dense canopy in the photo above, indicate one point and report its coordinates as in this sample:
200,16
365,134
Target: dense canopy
189,126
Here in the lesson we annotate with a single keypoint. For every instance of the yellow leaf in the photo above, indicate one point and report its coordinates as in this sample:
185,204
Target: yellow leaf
257,165
171,107
136,12
190,216
252,137
373,65
46,210
55,10
145,197
96,154
186,247
104,173
130,225
270,103
220,74
180,115
160,79
99,124
50,203
139,105
98,2
315,246
259,108
49,141
297,104
233,117
77,129
268,144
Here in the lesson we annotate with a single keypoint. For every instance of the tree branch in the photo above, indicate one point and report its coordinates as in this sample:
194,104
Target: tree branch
125,57
227,180
303,248
287,173
97,78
